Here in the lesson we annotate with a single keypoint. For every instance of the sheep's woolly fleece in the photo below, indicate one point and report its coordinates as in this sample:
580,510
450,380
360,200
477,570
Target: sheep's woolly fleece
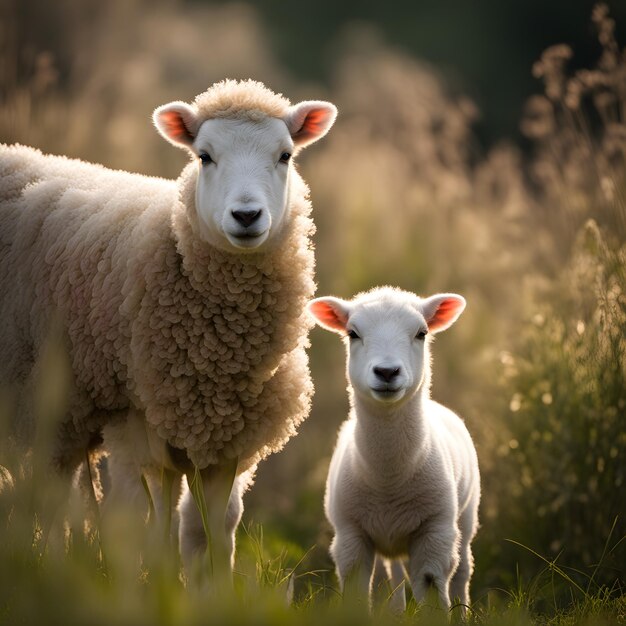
209,344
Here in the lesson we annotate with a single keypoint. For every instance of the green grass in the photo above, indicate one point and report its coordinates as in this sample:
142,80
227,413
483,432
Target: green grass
55,569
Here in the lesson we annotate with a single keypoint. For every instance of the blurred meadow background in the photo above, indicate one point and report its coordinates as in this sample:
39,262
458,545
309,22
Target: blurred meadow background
481,149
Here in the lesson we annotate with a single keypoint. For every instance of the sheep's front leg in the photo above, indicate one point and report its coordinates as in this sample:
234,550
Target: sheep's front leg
163,489
211,489
354,555
433,557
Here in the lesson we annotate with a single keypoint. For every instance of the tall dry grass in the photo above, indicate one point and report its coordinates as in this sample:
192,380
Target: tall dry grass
564,462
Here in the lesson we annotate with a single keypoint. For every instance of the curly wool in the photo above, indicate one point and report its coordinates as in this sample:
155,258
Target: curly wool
221,367
240,99
210,345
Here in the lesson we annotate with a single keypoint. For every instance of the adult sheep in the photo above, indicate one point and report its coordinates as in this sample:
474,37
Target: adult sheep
182,302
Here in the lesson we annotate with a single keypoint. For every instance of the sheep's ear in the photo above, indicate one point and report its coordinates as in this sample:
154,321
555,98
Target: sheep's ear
442,310
309,121
330,313
177,122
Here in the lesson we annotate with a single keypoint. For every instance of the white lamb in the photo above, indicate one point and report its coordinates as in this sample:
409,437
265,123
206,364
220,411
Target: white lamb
403,482
182,302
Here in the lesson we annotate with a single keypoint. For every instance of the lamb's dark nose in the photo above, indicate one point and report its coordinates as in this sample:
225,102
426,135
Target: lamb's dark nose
386,373
246,217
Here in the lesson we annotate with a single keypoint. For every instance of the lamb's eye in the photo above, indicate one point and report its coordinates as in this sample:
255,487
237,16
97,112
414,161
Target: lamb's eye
205,157
353,335
284,157
421,335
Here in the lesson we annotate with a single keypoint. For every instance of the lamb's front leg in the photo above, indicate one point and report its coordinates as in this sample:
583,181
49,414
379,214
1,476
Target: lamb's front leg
395,571
433,558
354,555
211,490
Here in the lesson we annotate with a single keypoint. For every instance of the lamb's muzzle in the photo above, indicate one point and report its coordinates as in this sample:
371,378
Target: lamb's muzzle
386,374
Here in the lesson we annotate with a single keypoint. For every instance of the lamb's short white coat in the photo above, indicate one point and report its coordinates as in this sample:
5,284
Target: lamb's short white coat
403,482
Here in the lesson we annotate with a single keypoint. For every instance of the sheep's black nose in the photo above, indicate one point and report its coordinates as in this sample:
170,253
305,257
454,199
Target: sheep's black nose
246,217
386,373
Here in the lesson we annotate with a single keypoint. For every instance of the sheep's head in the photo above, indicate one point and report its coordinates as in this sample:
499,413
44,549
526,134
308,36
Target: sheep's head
387,333
244,152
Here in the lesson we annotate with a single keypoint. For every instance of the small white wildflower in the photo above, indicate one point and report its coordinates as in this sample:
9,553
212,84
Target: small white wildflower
516,402
608,189
506,358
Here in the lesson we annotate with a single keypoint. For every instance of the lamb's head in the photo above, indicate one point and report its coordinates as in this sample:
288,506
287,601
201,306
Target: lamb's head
244,137
387,333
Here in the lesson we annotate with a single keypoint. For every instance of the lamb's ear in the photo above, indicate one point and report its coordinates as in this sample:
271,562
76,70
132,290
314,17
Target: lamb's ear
177,122
442,310
309,121
330,313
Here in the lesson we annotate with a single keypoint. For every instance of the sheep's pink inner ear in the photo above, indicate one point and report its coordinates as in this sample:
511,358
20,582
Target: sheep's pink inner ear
309,121
174,127
448,309
177,122
329,315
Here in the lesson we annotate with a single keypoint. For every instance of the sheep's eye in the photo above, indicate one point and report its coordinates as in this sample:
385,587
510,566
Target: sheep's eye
206,158
284,157
421,335
353,335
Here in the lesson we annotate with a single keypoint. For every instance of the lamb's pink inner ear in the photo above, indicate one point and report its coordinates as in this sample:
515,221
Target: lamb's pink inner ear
174,127
309,121
328,315
448,310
